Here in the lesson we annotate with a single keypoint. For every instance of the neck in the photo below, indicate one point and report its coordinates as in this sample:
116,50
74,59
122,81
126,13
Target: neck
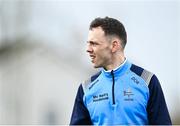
115,62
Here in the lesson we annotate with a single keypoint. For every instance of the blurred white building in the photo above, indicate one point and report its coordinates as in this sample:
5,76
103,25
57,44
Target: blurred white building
37,86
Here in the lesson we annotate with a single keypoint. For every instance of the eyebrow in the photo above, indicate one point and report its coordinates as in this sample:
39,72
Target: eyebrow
89,41
92,42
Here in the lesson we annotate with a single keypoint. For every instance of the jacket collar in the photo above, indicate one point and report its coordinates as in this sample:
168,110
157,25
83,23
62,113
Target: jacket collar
117,71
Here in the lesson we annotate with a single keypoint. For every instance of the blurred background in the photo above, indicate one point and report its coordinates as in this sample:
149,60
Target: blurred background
43,58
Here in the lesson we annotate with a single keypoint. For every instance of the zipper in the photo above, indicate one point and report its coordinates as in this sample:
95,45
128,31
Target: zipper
113,98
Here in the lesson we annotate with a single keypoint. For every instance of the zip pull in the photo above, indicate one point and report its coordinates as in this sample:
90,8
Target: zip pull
113,98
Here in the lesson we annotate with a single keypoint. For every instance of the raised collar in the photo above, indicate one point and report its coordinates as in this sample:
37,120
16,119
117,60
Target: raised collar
117,71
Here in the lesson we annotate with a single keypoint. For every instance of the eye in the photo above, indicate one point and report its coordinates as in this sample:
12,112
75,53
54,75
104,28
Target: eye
93,43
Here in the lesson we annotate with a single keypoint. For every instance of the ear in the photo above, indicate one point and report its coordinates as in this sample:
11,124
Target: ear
115,45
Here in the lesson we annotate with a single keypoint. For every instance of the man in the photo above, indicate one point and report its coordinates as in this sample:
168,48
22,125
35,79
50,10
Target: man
121,93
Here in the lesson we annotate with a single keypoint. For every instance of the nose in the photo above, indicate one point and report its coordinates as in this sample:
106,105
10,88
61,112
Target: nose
89,49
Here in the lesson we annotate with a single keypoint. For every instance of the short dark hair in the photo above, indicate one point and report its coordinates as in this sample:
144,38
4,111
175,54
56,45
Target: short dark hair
111,26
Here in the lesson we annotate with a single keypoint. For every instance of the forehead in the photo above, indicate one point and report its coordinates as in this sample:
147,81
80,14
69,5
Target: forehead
96,34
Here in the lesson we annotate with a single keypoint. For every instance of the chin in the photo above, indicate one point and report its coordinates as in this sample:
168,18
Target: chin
96,66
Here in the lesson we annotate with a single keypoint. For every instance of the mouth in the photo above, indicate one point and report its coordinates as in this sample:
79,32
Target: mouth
92,58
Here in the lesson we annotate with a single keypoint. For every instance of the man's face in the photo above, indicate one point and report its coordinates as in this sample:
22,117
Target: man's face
99,48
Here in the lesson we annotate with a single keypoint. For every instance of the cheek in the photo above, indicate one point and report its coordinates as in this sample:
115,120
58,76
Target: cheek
105,53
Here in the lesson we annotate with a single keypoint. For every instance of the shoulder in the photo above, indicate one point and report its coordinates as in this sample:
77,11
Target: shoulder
150,79
87,84
146,75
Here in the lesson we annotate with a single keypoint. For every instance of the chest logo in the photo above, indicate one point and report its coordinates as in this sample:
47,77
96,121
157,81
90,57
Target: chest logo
128,95
135,80
100,97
